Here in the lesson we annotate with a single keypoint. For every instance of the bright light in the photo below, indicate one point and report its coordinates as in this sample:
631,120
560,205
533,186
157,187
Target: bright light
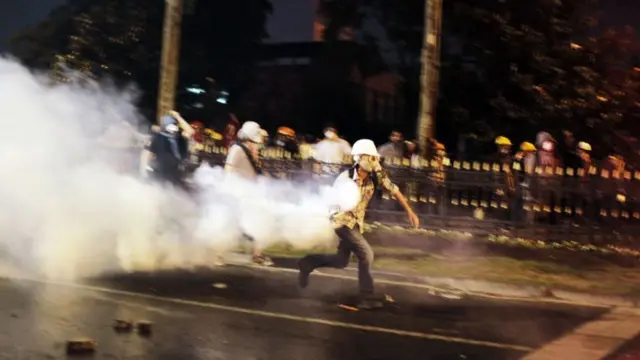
222,99
196,90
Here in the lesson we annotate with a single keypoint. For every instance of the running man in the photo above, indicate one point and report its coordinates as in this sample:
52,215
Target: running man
368,175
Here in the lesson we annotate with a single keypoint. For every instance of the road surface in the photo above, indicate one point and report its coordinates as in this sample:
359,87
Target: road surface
240,313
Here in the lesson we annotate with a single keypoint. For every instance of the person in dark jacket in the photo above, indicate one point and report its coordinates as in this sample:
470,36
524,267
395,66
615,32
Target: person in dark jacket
164,156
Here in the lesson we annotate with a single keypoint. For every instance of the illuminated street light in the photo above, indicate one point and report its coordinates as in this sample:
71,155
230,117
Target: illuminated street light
575,46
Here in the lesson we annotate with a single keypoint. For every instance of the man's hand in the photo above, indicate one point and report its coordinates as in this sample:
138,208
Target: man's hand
413,219
187,130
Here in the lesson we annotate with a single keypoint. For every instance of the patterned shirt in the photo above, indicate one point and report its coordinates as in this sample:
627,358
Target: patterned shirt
356,216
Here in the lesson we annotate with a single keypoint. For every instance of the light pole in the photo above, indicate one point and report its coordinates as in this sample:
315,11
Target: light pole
429,73
170,63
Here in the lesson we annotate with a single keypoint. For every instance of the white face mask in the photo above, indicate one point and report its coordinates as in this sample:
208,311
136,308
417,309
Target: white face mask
330,135
368,163
172,128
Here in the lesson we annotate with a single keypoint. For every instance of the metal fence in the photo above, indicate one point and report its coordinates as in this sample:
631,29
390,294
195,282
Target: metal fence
597,205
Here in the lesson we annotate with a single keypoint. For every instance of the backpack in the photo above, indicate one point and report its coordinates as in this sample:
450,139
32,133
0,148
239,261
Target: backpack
253,162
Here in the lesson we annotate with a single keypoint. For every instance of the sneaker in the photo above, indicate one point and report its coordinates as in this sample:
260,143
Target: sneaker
303,274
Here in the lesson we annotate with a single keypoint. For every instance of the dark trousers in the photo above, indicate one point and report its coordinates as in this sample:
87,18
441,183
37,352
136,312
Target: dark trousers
351,241
174,178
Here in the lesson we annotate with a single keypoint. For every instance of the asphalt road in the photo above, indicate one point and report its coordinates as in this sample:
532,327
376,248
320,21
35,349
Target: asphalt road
260,314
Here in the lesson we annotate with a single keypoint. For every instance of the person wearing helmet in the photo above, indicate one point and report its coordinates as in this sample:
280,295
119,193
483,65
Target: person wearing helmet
584,153
167,150
505,179
525,163
286,139
526,157
243,159
368,174
504,146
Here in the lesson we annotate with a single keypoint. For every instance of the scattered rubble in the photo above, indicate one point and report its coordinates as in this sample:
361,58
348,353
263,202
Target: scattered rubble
144,327
81,346
122,326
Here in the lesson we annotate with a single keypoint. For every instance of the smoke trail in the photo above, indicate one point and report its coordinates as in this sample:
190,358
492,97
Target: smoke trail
67,211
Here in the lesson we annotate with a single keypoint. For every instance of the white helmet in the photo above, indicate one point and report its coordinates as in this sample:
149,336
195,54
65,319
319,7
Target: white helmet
364,147
251,131
584,146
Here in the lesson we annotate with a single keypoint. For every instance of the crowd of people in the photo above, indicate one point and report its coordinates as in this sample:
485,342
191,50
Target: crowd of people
170,146
164,157
544,152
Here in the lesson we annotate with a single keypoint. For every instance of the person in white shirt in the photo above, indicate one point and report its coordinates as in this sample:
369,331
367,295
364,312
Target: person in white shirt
332,149
243,159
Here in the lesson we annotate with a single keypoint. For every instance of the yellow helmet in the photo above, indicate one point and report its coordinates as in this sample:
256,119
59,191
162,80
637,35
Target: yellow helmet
527,146
503,141
213,134
584,146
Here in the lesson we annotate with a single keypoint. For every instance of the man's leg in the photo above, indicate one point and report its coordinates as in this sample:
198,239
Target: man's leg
339,260
256,253
362,250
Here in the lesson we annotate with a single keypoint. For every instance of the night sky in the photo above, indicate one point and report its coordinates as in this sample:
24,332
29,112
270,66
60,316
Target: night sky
18,14
287,23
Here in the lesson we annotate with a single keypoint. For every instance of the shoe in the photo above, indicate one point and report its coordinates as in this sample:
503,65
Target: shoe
303,274
262,260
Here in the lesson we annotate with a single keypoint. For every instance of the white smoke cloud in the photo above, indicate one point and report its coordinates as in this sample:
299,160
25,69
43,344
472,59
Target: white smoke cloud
66,211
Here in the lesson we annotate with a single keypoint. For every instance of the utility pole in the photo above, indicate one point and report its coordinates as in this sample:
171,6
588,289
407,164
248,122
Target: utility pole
429,73
170,56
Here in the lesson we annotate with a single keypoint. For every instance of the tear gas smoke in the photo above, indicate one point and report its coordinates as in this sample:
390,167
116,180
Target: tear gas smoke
67,212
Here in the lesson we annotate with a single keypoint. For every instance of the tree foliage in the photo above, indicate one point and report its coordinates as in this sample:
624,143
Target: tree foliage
537,68
518,67
37,46
122,40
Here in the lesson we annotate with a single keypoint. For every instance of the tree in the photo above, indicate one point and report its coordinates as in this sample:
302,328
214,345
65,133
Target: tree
37,46
121,40
518,67
537,69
